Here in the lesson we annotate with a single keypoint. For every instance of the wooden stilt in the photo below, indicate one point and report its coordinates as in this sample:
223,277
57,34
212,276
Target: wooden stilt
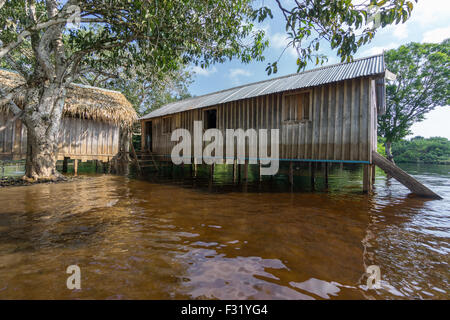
64,167
211,172
75,167
367,185
373,174
234,171
246,170
291,173
239,169
312,174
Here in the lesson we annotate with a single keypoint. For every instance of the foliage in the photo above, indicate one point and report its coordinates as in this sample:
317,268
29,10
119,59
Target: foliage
381,149
145,94
136,140
116,34
345,24
419,149
422,84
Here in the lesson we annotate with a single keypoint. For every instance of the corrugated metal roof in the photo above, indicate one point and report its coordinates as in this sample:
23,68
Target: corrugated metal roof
343,71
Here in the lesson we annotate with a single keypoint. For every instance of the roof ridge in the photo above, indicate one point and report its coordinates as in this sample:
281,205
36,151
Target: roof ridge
277,78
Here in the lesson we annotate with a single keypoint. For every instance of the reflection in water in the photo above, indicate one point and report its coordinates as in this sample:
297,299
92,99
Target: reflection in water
182,238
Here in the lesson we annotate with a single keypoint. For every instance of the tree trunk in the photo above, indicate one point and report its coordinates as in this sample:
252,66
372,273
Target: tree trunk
389,156
42,119
122,160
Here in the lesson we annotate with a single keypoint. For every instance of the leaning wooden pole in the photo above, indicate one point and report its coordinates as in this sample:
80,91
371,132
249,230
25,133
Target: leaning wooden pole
404,178
135,157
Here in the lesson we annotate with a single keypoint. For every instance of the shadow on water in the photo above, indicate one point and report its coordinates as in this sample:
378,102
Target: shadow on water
170,236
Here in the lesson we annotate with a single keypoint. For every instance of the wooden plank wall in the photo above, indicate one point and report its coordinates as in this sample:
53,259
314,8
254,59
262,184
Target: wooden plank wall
78,139
11,146
341,125
88,140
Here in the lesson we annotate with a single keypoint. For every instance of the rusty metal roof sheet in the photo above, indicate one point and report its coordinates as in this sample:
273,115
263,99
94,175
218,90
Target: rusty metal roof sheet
328,74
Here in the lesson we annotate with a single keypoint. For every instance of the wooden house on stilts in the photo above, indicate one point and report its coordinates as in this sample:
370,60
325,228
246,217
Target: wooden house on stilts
326,115
94,125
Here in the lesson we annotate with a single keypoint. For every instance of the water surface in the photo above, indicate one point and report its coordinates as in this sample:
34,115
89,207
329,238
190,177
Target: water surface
173,238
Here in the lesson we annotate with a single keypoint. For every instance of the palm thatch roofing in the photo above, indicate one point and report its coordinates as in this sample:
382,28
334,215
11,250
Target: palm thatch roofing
82,101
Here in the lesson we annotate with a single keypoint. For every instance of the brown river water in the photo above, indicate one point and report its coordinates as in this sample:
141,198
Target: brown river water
174,238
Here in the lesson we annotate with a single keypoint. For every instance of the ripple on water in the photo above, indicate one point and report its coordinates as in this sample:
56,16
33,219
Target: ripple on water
163,240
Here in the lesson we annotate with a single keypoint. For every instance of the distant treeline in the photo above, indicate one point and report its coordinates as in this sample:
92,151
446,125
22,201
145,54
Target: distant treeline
420,149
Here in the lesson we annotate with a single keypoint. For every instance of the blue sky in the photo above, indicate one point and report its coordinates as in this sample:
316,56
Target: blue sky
430,22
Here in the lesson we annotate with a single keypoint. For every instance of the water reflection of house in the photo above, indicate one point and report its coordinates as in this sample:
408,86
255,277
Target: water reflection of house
92,119
324,115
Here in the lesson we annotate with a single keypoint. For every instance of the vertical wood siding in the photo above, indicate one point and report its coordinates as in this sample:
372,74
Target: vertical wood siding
341,124
78,139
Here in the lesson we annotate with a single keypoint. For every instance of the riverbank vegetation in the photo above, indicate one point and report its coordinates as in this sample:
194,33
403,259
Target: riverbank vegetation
422,150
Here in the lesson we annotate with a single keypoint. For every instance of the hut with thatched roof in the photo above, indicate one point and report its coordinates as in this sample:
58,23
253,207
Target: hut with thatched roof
93,119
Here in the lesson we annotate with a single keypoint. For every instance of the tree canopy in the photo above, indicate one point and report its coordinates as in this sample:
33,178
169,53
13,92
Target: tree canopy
144,93
422,84
345,25
116,34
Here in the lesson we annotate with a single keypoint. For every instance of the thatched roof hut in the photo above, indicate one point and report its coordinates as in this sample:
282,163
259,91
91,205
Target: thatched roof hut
92,119
82,101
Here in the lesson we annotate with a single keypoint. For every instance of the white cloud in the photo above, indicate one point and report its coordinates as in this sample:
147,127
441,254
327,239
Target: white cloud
427,12
400,31
436,35
239,72
280,41
435,124
235,75
378,49
204,72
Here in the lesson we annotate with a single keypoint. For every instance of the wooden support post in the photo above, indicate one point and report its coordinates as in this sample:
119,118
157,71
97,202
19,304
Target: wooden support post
404,178
64,167
291,173
211,172
312,174
75,167
373,174
239,169
246,170
234,170
96,166
326,173
367,185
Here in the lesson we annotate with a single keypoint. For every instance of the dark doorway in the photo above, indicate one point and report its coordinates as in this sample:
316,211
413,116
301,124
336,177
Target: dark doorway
211,119
148,136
